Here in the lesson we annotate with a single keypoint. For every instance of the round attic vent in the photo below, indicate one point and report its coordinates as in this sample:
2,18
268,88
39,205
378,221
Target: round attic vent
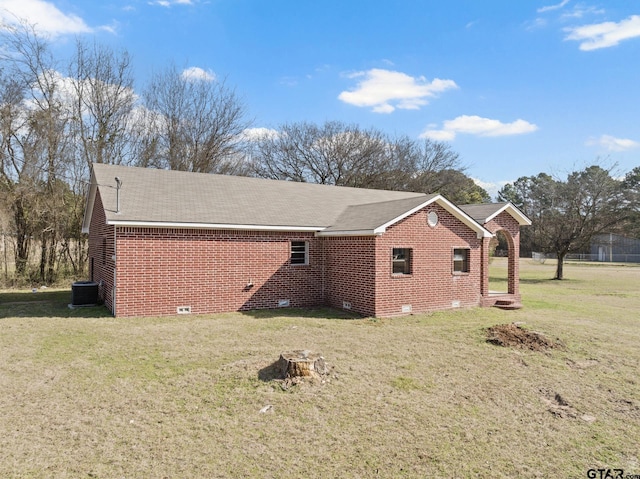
432,218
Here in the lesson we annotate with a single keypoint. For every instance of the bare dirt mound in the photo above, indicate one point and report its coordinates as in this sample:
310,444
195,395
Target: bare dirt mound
514,336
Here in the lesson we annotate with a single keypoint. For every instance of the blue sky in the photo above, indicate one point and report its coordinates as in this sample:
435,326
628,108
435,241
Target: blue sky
516,87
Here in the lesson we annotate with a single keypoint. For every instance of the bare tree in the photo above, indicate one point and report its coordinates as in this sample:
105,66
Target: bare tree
340,154
16,181
35,140
431,167
334,153
103,103
190,124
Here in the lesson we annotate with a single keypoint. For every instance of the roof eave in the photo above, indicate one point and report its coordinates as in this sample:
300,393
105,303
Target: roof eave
348,233
518,215
213,226
447,205
382,228
88,206
481,231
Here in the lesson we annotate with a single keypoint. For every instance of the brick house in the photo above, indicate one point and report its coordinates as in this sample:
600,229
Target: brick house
166,242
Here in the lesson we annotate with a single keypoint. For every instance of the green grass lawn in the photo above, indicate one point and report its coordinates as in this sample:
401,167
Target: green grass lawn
86,395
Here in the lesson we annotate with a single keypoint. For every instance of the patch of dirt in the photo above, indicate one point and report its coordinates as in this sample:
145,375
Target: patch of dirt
514,336
587,363
628,408
559,407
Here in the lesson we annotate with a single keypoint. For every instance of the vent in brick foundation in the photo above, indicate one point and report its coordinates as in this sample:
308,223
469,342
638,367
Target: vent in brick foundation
283,303
183,309
346,305
406,308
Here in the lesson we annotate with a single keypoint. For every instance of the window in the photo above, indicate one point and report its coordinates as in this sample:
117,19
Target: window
401,258
432,219
461,260
299,252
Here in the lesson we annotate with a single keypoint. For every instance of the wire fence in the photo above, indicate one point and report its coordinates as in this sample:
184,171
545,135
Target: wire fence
597,258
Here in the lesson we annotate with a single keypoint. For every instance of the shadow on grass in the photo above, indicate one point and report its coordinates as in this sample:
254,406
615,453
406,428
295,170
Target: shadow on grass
55,304
45,304
502,281
565,280
320,312
535,280
271,372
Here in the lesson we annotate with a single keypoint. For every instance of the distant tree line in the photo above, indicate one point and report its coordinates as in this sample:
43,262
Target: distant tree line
58,117
346,155
567,213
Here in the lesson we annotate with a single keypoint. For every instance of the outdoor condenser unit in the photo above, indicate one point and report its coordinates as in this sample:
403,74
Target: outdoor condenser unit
84,293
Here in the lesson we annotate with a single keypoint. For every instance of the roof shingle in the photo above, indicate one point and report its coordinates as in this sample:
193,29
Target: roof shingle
162,196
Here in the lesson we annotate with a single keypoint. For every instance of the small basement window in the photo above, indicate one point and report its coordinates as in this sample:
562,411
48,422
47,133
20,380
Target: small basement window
461,260
299,252
401,260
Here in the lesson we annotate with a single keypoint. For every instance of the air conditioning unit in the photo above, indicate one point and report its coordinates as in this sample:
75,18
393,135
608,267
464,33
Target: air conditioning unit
84,293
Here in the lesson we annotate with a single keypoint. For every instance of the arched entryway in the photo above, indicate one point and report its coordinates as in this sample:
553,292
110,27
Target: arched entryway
498,264
502,264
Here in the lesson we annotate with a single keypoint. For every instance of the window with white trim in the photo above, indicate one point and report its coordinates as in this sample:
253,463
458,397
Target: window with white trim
461,260
401,260
299,252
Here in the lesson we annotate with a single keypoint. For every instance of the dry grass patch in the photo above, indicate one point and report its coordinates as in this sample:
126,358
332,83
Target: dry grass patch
83,394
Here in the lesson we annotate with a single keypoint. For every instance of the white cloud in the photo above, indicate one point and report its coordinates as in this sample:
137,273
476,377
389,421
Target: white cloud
536,24
439,135
197,73
254,134
46,17
478,126
168,3
580,11
606,34
386,90
491,187
611,143
553,7
66,88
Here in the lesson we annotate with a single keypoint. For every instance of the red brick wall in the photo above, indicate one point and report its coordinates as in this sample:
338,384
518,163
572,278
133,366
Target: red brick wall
432,284
101,252
159,270
350,272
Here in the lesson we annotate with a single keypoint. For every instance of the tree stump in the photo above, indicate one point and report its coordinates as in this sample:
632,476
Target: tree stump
301,363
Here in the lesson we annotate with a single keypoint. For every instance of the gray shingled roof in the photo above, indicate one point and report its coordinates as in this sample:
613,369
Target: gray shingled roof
484,212
373,215
481,211
154,196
